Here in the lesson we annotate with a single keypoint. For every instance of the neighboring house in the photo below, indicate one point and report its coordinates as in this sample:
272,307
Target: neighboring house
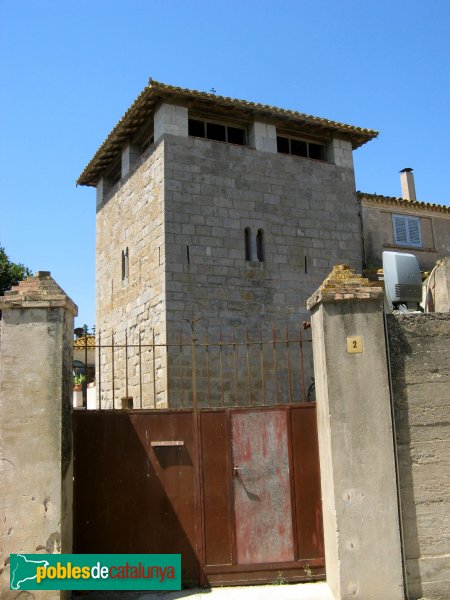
219,211
84,355
79,349
404,225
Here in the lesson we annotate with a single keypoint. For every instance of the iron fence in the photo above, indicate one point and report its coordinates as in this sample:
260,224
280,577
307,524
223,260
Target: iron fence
239,368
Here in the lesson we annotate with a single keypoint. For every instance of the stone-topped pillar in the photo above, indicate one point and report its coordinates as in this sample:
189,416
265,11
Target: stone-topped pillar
359,489
36,350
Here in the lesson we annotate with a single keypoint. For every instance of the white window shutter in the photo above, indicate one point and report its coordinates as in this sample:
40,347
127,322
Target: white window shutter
414,232
407,230
400,230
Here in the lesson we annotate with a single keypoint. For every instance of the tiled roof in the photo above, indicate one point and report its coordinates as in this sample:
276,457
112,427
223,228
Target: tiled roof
402,203
80,342
155,92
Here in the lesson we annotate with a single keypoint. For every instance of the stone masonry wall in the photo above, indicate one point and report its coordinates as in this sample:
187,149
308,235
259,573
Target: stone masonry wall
309,216
133,217
182,214
420,352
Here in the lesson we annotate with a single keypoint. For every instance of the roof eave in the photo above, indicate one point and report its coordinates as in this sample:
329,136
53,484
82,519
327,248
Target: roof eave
155,92
402,202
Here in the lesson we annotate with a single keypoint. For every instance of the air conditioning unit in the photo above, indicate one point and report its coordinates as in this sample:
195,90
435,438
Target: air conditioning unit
402,280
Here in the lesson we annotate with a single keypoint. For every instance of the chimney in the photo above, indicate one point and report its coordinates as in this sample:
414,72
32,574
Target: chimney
408,187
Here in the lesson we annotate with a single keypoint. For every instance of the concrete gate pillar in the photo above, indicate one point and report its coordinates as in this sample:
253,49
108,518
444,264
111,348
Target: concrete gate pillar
359,491
36,349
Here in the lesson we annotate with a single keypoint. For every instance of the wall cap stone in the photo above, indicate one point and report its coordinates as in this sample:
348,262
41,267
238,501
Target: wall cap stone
344,284
37,291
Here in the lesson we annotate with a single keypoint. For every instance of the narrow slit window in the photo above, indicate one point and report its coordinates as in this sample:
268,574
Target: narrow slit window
125,264
248,241
260,245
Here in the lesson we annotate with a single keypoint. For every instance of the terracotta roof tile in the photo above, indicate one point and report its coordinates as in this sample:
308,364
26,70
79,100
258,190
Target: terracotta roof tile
155,91
403,203
80,342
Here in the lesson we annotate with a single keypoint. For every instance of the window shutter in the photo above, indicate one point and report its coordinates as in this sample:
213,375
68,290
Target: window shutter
400,231
414,232
407,230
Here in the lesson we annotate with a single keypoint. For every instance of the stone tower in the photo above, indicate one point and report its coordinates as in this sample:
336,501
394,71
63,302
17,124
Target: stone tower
217,212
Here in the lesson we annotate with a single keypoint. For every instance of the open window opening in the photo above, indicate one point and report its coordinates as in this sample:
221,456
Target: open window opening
304,148
217,131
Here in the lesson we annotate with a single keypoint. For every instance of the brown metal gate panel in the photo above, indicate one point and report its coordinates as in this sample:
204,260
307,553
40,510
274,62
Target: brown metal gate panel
141,485
306,471
217,495
130,496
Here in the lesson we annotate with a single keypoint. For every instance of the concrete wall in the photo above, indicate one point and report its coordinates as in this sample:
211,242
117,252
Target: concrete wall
379,234
357,465
35,423
420,361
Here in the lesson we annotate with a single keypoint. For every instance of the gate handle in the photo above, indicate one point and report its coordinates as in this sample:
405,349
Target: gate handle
237,468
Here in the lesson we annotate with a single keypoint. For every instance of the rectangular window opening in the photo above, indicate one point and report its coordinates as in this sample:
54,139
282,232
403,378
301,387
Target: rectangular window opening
299,148
216,132
236,136
302,148
316,151
196,128
283,145
149,142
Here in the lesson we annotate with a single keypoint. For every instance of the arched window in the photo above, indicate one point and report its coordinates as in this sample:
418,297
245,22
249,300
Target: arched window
248,242
260,245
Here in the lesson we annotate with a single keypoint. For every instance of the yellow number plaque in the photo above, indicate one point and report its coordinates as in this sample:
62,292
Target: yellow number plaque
354,344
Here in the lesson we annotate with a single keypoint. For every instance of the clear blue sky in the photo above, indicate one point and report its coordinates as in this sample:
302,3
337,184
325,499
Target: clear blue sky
70,68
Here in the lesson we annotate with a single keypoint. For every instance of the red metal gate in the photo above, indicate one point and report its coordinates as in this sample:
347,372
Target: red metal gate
262,498
235,491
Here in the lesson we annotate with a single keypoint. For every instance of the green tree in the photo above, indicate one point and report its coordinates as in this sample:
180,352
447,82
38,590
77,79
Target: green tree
10,273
